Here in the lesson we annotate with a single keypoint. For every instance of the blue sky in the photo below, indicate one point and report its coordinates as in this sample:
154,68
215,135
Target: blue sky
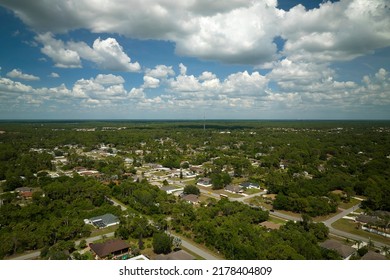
163,59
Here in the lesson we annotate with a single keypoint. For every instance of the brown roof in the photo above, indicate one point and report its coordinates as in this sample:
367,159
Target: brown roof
233,188
26,194
343,250
109,247
370,255
191,198
179,255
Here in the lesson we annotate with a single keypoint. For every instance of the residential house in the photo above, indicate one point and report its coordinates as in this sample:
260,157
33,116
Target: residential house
170,189
139,258
197,169
23,189
103,221
111,249
191,198
178,255
233,189
370,255
204,182
250,185
343,250
24,192
366,219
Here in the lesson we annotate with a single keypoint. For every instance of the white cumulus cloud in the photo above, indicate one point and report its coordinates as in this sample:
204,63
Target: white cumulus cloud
54,75
235,31
106,54
110,55
160,72
17,74
150,82
62,56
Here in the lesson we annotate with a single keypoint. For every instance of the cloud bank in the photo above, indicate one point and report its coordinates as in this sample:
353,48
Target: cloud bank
236,31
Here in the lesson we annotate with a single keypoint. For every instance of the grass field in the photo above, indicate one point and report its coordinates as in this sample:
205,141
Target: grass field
350,204
103,231
277,220
350,226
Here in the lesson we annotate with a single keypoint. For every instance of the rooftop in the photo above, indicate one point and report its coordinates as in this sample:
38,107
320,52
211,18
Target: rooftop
109,247
343,250
104,220
370,255
191,198
178,255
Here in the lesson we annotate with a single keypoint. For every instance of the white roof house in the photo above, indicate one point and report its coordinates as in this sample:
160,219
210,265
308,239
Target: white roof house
103,221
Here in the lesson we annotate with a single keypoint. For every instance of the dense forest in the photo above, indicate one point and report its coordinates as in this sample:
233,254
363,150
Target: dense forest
349,156
302,162
54,214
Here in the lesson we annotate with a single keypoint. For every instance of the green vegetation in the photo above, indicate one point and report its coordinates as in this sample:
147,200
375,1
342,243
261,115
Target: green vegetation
191,189
162,243
56,216
311,168
351,227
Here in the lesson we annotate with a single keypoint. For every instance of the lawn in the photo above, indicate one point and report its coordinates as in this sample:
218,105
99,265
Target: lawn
218,192
350,226
325,217
350,204
252,191
101,231
277,220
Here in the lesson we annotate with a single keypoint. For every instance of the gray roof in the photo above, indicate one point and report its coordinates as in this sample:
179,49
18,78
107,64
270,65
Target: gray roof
343,250
179,255
191,198
104,220
370,255
23,189
248,185
233,188
367,219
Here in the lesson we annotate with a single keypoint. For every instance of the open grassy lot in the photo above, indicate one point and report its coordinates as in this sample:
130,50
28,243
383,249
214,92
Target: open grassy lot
325,217
252,191
350,204
102,231
277,220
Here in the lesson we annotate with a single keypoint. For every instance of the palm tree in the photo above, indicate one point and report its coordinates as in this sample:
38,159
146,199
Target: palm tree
385,250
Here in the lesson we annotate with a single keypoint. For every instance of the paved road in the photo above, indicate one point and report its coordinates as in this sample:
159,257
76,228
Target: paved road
284,216
200,252
204,254
196,250
115,203
27,256
344,213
